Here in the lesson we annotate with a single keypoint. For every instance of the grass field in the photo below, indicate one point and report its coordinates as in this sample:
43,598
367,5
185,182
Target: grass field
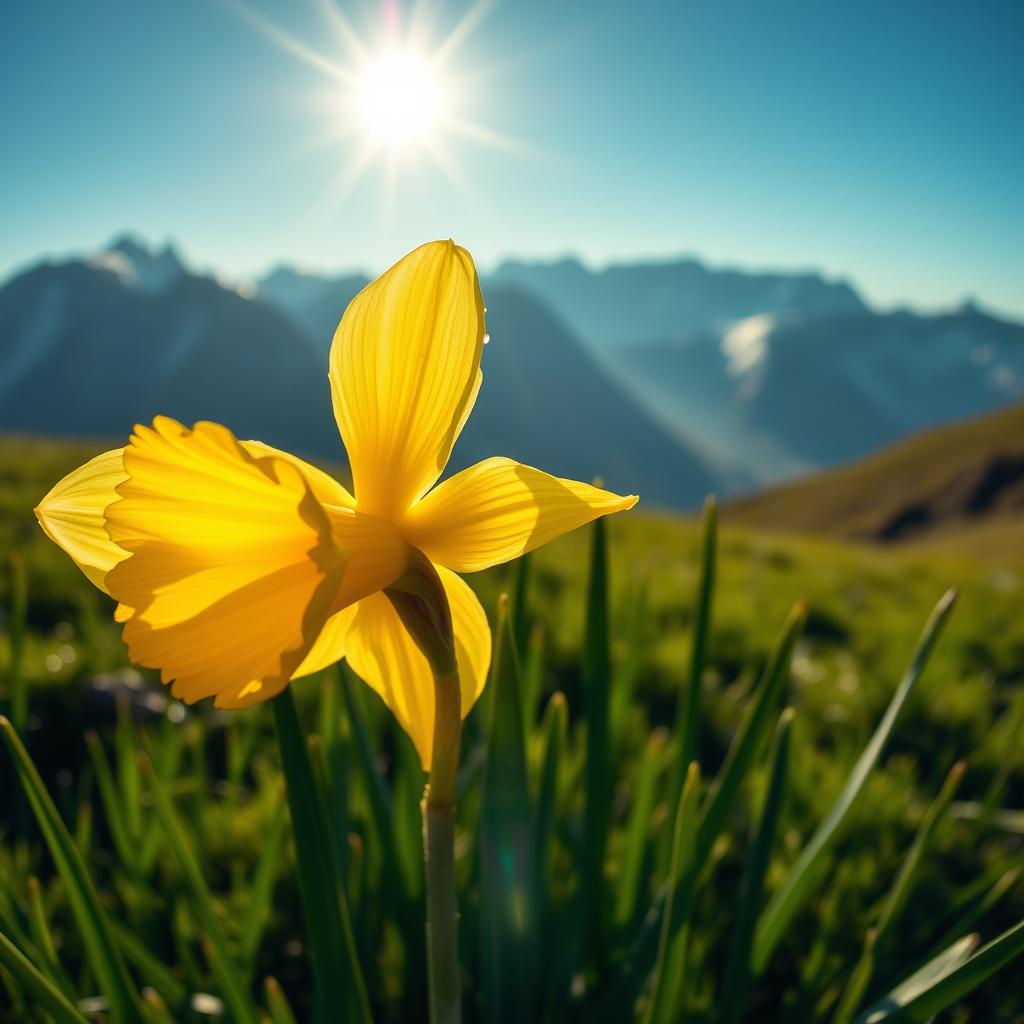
866,607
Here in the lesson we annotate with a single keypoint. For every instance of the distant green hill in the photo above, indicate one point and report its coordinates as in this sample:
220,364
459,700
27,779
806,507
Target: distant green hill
962,484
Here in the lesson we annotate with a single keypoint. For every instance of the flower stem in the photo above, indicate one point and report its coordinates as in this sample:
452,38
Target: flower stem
439,854
419,598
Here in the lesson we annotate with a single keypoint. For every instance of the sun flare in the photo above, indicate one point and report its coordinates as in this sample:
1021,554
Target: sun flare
399,98
393,105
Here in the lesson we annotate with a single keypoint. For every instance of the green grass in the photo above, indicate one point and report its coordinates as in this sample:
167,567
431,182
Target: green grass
197,906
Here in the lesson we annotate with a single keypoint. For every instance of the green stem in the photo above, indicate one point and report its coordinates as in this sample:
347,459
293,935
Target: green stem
439,854
421,603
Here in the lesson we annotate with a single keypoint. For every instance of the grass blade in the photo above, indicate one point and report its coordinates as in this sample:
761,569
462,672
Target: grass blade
335,764
901,887
17,688
42,992
378,796
225,970
508,913
949,988
598,766
518,612
812,861
151,969
110,799
555,969
668,981
737,977
554,729
39,928
532,676
688,709
636,843
277,1004
98,941
339,979
257,911
623,990
166,756
16,685
946,979
42,939
860,977
979,902
156,1008
1007,765
128,772
748,739
621,698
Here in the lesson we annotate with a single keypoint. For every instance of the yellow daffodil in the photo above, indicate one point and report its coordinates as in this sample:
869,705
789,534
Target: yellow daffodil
238,568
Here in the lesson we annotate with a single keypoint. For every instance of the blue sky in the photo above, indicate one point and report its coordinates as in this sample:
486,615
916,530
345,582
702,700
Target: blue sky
878,141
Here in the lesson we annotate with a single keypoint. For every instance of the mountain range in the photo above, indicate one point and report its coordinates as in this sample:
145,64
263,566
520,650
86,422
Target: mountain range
770,376
668,379
91,346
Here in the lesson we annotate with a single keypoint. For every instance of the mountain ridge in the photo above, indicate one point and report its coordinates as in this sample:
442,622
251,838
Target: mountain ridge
736,380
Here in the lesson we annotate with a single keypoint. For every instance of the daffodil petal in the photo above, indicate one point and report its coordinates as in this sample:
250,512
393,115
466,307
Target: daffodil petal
328,490
235,564
500,509
72,514
383,654
405,370
330,644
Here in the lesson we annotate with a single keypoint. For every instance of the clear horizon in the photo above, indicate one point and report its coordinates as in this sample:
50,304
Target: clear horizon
868,143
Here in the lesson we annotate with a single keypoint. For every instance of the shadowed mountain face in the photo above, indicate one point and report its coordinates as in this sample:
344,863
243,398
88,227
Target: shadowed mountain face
82,352
544,401
90,348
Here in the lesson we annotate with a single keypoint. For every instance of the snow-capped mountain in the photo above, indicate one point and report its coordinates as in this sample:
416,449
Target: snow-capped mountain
781,394
137,266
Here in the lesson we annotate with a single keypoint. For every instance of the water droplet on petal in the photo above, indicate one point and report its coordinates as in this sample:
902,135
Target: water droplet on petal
487,338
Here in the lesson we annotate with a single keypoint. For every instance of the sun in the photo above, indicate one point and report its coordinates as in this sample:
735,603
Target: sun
399,99
397,104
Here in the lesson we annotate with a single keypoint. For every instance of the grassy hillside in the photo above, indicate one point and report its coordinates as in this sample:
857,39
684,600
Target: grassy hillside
867,605
959,487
